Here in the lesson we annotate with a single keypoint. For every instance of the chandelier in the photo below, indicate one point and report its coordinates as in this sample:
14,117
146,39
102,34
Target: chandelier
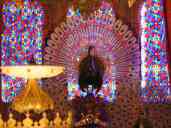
32,97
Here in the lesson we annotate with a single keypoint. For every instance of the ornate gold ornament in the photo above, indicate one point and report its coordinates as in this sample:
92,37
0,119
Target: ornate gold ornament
131,3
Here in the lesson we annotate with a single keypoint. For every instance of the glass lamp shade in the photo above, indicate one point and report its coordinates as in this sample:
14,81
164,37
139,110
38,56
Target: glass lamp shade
32,71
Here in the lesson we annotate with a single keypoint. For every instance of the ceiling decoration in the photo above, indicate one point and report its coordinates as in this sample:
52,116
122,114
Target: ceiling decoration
86,6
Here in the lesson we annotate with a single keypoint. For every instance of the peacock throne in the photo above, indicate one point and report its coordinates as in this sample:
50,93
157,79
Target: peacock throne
115,43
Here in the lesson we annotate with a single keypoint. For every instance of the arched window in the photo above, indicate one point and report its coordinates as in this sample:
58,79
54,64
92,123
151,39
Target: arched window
21,40
154,68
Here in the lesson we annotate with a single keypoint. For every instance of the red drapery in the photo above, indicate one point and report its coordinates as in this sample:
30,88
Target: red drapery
168,30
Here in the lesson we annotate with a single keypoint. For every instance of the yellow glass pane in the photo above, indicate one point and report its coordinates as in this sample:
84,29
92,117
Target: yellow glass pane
32,71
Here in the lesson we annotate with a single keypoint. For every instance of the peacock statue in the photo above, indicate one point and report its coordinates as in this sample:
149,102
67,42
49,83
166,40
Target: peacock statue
116,45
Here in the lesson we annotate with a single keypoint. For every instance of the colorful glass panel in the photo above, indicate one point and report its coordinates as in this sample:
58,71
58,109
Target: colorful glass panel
155,76
21,40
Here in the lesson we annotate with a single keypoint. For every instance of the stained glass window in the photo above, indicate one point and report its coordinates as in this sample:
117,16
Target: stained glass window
155,76
21,40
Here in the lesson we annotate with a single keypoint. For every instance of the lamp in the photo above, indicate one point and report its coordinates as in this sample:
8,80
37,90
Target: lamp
32,97
131,3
